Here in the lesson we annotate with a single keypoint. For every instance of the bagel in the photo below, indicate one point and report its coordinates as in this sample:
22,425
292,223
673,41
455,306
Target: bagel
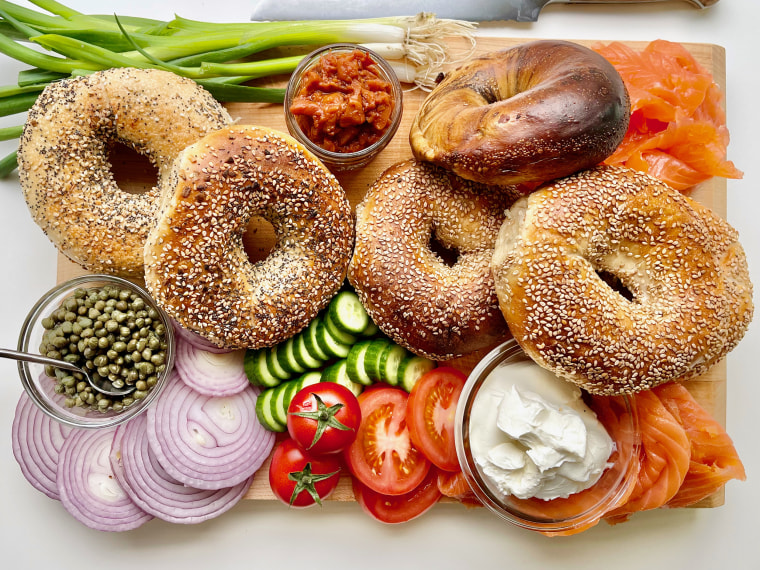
532,113
196,267
685,296
64,169
433,308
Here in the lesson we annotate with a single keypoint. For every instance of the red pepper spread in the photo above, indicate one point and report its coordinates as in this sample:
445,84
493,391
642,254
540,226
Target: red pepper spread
344,104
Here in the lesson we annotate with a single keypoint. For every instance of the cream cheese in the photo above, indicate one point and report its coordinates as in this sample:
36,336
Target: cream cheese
532,434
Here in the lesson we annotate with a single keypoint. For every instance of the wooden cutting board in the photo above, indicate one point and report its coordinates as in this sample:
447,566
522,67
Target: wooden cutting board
131,171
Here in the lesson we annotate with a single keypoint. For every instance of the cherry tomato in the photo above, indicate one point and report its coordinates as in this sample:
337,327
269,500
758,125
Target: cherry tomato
324,418
382,456
393,509
299,479
432,409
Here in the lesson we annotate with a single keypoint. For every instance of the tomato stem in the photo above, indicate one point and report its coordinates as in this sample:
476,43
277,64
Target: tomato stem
324,416
305,481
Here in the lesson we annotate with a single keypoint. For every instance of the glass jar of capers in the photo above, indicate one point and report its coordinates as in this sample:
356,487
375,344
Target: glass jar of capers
111,332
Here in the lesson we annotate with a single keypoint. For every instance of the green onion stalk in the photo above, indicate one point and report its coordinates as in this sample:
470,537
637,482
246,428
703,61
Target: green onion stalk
222,57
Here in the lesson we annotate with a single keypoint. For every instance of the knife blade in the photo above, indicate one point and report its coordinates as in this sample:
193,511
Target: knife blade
480,10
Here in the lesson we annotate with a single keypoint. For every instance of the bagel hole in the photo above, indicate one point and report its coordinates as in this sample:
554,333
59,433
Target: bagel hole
615,283
448,255
259,239
133,172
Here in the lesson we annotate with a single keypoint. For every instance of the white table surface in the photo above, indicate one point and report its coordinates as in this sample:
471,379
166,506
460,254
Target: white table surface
36,532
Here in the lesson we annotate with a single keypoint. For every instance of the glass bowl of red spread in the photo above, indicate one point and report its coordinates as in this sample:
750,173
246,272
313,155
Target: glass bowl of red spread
498,469
343,103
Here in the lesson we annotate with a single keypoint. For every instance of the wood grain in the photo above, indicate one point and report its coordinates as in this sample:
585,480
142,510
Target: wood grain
709,389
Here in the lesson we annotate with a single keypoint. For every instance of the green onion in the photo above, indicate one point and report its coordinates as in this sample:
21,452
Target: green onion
222,57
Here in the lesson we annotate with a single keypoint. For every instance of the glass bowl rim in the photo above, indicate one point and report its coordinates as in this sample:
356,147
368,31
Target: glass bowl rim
507,351
32,320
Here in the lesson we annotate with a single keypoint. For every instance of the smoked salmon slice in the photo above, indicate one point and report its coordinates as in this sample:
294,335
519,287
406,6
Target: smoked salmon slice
454,485
664,457
714,460
677,132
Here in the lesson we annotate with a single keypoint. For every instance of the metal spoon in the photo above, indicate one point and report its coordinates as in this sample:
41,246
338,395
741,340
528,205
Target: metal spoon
39,359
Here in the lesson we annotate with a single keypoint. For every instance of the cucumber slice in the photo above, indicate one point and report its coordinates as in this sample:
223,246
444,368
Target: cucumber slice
264,411
302,354
308,379
390,359
347,312
372,358
411,368
311,342
286,357
329,344
273,365
256,369
337,333
370,330
337,373
280,402
355,363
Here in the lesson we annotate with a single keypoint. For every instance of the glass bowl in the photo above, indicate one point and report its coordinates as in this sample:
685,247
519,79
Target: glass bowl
557,516
343,161
41,388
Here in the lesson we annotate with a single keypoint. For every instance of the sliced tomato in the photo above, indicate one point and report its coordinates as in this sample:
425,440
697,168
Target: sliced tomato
432,409
382,456
393,509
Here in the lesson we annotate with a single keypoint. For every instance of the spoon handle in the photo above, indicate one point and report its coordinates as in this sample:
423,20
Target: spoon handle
38,358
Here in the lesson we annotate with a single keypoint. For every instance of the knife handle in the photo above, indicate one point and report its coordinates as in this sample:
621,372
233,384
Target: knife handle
697,3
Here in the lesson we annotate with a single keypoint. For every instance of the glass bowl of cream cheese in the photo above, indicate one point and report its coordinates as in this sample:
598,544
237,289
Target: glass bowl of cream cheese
538,451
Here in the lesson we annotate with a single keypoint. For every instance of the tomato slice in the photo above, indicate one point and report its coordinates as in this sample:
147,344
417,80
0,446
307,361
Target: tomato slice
382,456
393,509
432,409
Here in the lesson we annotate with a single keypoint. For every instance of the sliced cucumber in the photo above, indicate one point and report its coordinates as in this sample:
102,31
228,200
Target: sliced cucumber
347,313
329,344
355,363
264,411
311,342
338,333
337,373
411,368
390,359
273,365
308,379
372,358
370,330
280,402
256,369
286,357
302,354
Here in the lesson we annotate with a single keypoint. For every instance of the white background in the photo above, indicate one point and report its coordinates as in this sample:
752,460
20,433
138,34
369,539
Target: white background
36,532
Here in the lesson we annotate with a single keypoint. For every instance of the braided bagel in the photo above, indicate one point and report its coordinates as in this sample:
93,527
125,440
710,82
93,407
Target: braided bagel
539,111
63,158
433,308
195,263
686,296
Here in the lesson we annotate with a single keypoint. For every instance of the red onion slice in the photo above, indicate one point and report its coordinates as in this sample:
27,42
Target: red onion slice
196,339
37,440
154,490
204,441
210,373
87,485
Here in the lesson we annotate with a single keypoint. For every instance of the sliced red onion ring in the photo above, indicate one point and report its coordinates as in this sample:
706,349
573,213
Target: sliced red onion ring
154,490
210,373
196,339
37,440
88,487
207,442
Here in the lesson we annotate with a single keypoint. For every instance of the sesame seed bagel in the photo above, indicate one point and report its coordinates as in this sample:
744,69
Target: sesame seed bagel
195,264
683,298
433,308
532,113
63,161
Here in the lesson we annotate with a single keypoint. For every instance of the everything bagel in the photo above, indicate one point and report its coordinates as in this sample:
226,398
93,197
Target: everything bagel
195,263
686,296
63,158
536,112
